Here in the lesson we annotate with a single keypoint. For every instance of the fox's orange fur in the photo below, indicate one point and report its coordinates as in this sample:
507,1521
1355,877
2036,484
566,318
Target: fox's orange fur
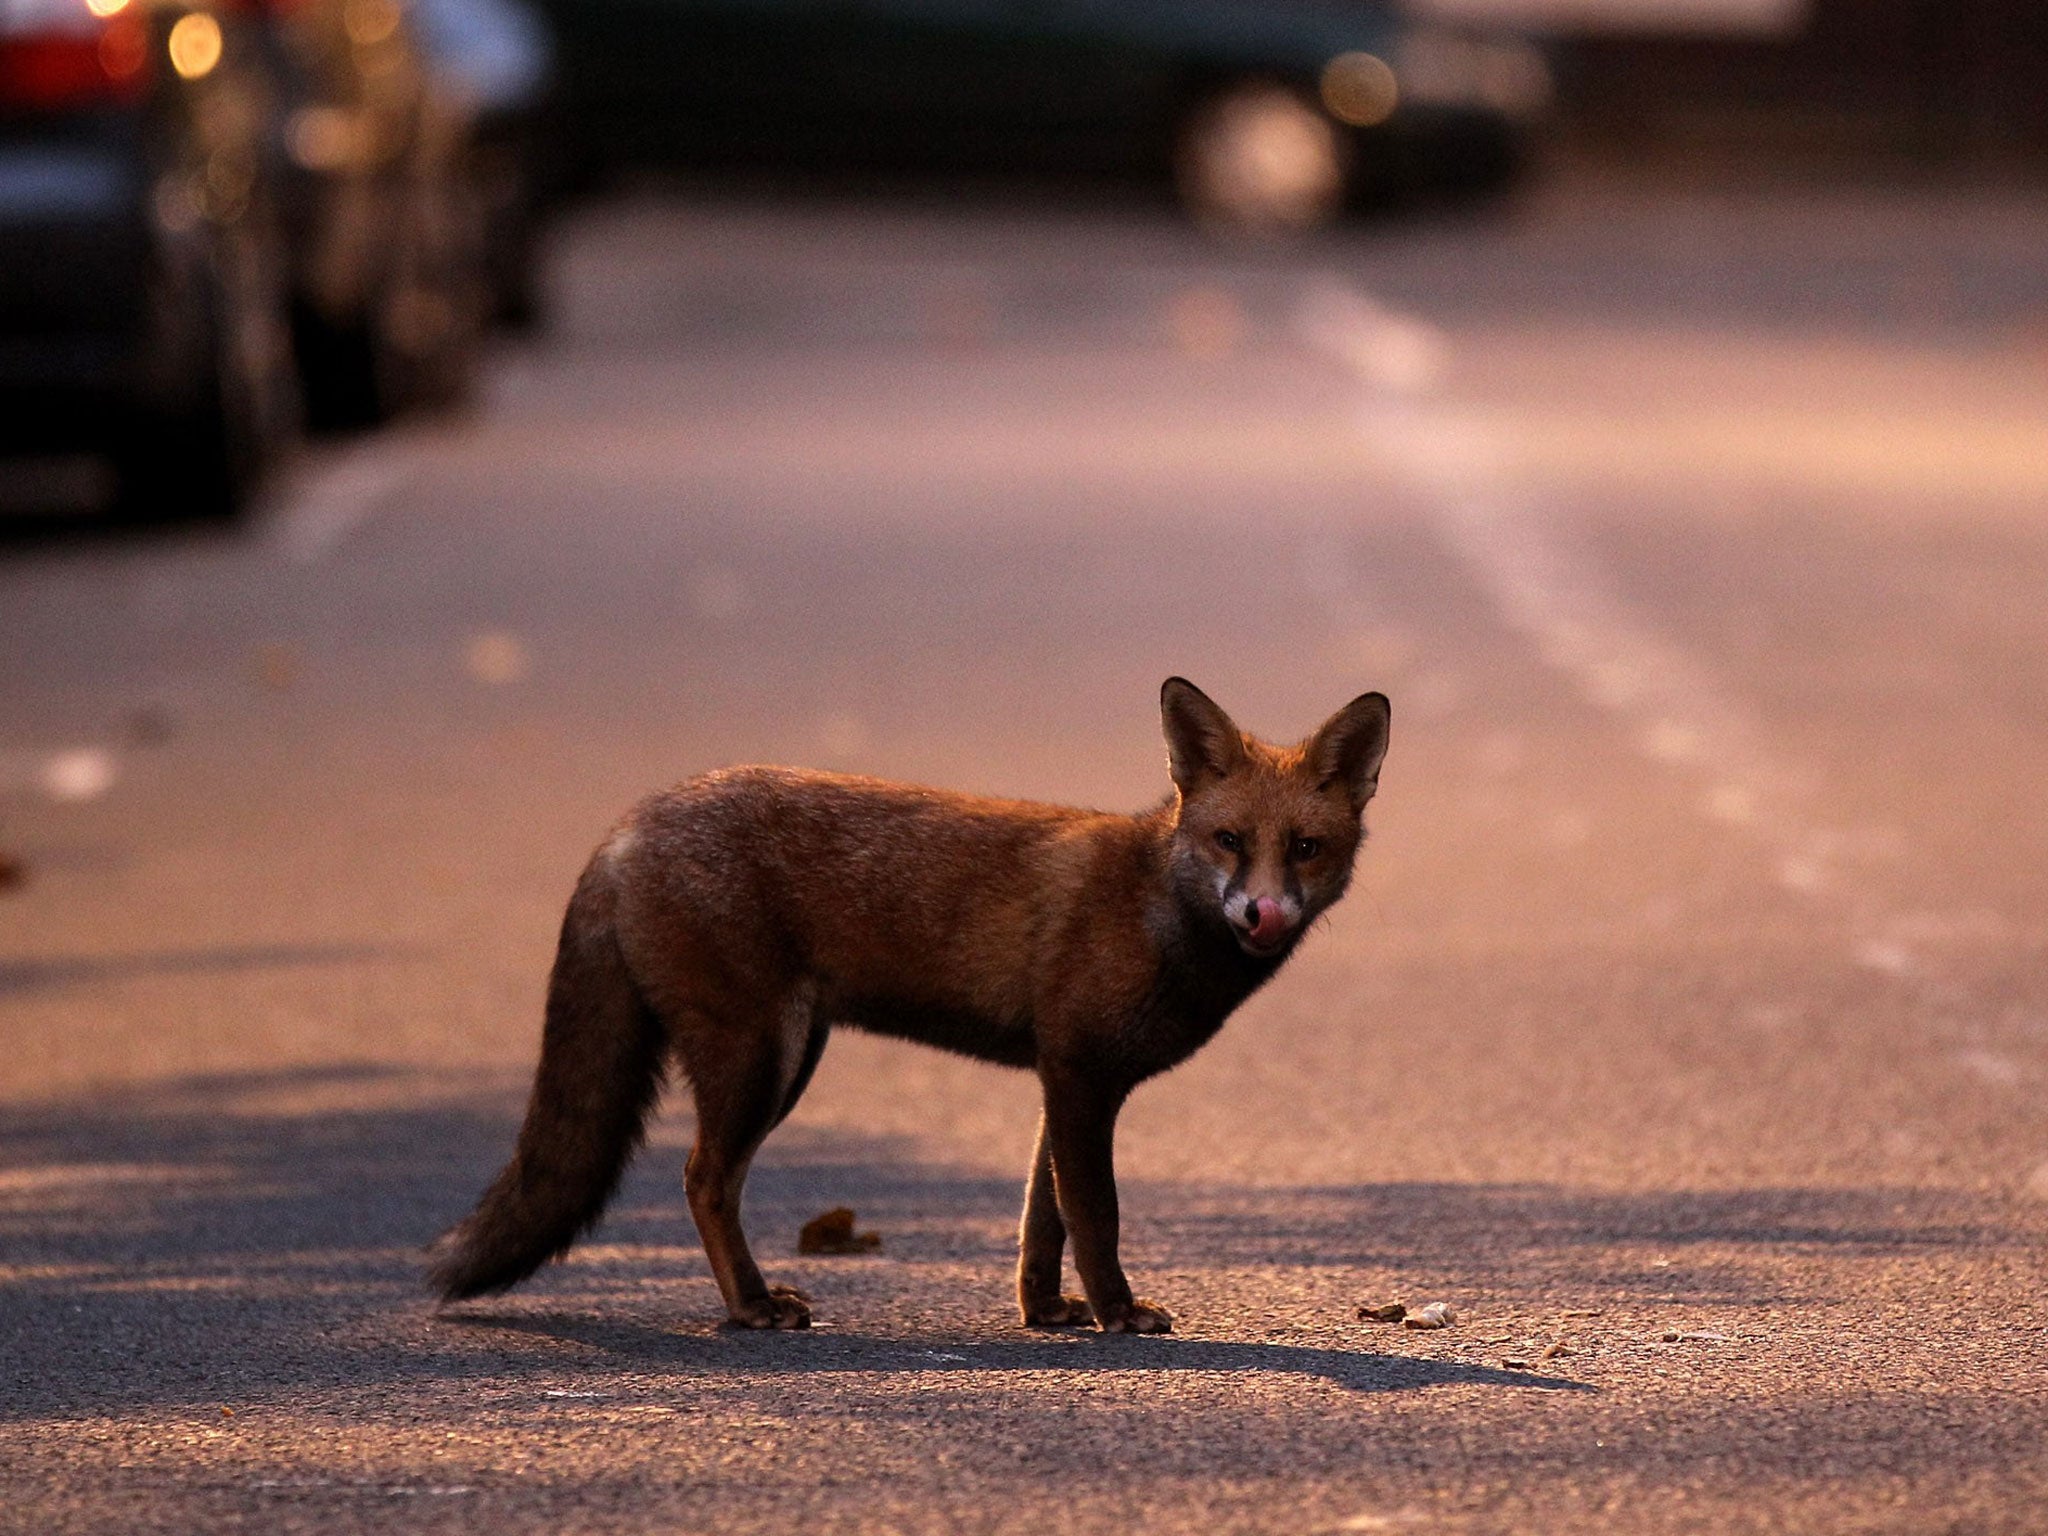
730,922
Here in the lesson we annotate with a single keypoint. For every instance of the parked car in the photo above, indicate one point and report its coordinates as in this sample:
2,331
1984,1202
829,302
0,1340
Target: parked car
383,220
143,264
498,57
1266,111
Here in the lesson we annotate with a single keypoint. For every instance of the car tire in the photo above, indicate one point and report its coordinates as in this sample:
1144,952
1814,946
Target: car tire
344,379
417,344
1259,158
208,454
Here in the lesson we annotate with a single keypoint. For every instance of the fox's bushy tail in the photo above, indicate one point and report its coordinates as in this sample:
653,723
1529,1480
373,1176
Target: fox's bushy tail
602,1063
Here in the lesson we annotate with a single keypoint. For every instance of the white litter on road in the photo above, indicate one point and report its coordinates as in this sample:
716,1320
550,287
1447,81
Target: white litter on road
81,774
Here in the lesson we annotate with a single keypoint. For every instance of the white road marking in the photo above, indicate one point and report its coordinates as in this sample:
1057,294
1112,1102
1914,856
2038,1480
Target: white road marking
1543,588
339,498
1679,714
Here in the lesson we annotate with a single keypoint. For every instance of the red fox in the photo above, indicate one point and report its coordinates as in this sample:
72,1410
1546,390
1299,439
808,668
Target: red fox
729,923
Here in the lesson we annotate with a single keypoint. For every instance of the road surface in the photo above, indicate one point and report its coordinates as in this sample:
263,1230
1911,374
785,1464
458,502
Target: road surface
1689,1013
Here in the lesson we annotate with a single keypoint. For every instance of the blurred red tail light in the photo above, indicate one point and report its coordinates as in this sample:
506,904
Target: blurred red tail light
59,53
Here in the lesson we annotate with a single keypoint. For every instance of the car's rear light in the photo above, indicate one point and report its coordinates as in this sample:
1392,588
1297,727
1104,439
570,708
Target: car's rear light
69,53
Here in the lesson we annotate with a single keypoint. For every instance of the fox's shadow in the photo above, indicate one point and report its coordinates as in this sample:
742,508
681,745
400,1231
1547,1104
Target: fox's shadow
624,1342
255,1235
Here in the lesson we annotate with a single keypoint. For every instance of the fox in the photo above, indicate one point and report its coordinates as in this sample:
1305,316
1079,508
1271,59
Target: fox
725,926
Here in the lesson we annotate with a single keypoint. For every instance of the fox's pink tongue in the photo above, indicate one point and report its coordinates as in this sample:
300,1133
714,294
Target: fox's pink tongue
1271,924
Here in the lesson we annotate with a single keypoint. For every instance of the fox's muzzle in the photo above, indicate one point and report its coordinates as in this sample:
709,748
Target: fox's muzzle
1265,925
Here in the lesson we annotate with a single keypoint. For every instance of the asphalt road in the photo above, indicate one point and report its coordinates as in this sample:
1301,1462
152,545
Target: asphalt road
1690,1010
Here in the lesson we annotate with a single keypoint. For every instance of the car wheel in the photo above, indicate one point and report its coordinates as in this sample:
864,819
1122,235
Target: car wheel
208,454
508,234
339,369
450,298
417,343
1259,158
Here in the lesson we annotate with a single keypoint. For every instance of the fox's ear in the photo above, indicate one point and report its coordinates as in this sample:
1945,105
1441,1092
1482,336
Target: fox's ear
1349,747
1201,740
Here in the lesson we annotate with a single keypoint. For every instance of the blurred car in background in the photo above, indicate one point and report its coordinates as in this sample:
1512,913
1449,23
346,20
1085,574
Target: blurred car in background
384,224
221,217
143,267
1269,113
498,57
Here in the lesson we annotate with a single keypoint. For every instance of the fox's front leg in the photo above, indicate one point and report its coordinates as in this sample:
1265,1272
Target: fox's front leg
1041,1244
1080,1133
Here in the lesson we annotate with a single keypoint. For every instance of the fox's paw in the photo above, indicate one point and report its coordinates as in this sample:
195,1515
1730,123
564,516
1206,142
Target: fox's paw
784,1307
1139,1317
1058,1312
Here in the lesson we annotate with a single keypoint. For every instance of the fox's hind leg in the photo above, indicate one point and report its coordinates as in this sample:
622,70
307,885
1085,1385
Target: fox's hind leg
745,1080
1041,1244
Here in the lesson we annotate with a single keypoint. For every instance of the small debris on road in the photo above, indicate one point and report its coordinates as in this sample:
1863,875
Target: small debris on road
275,666
497,658
1516,1363
832,1232
1392,1312
1437,1314
150,726
1556,1350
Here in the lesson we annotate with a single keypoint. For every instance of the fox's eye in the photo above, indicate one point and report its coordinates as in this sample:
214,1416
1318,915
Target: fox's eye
1230,842
1305,848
